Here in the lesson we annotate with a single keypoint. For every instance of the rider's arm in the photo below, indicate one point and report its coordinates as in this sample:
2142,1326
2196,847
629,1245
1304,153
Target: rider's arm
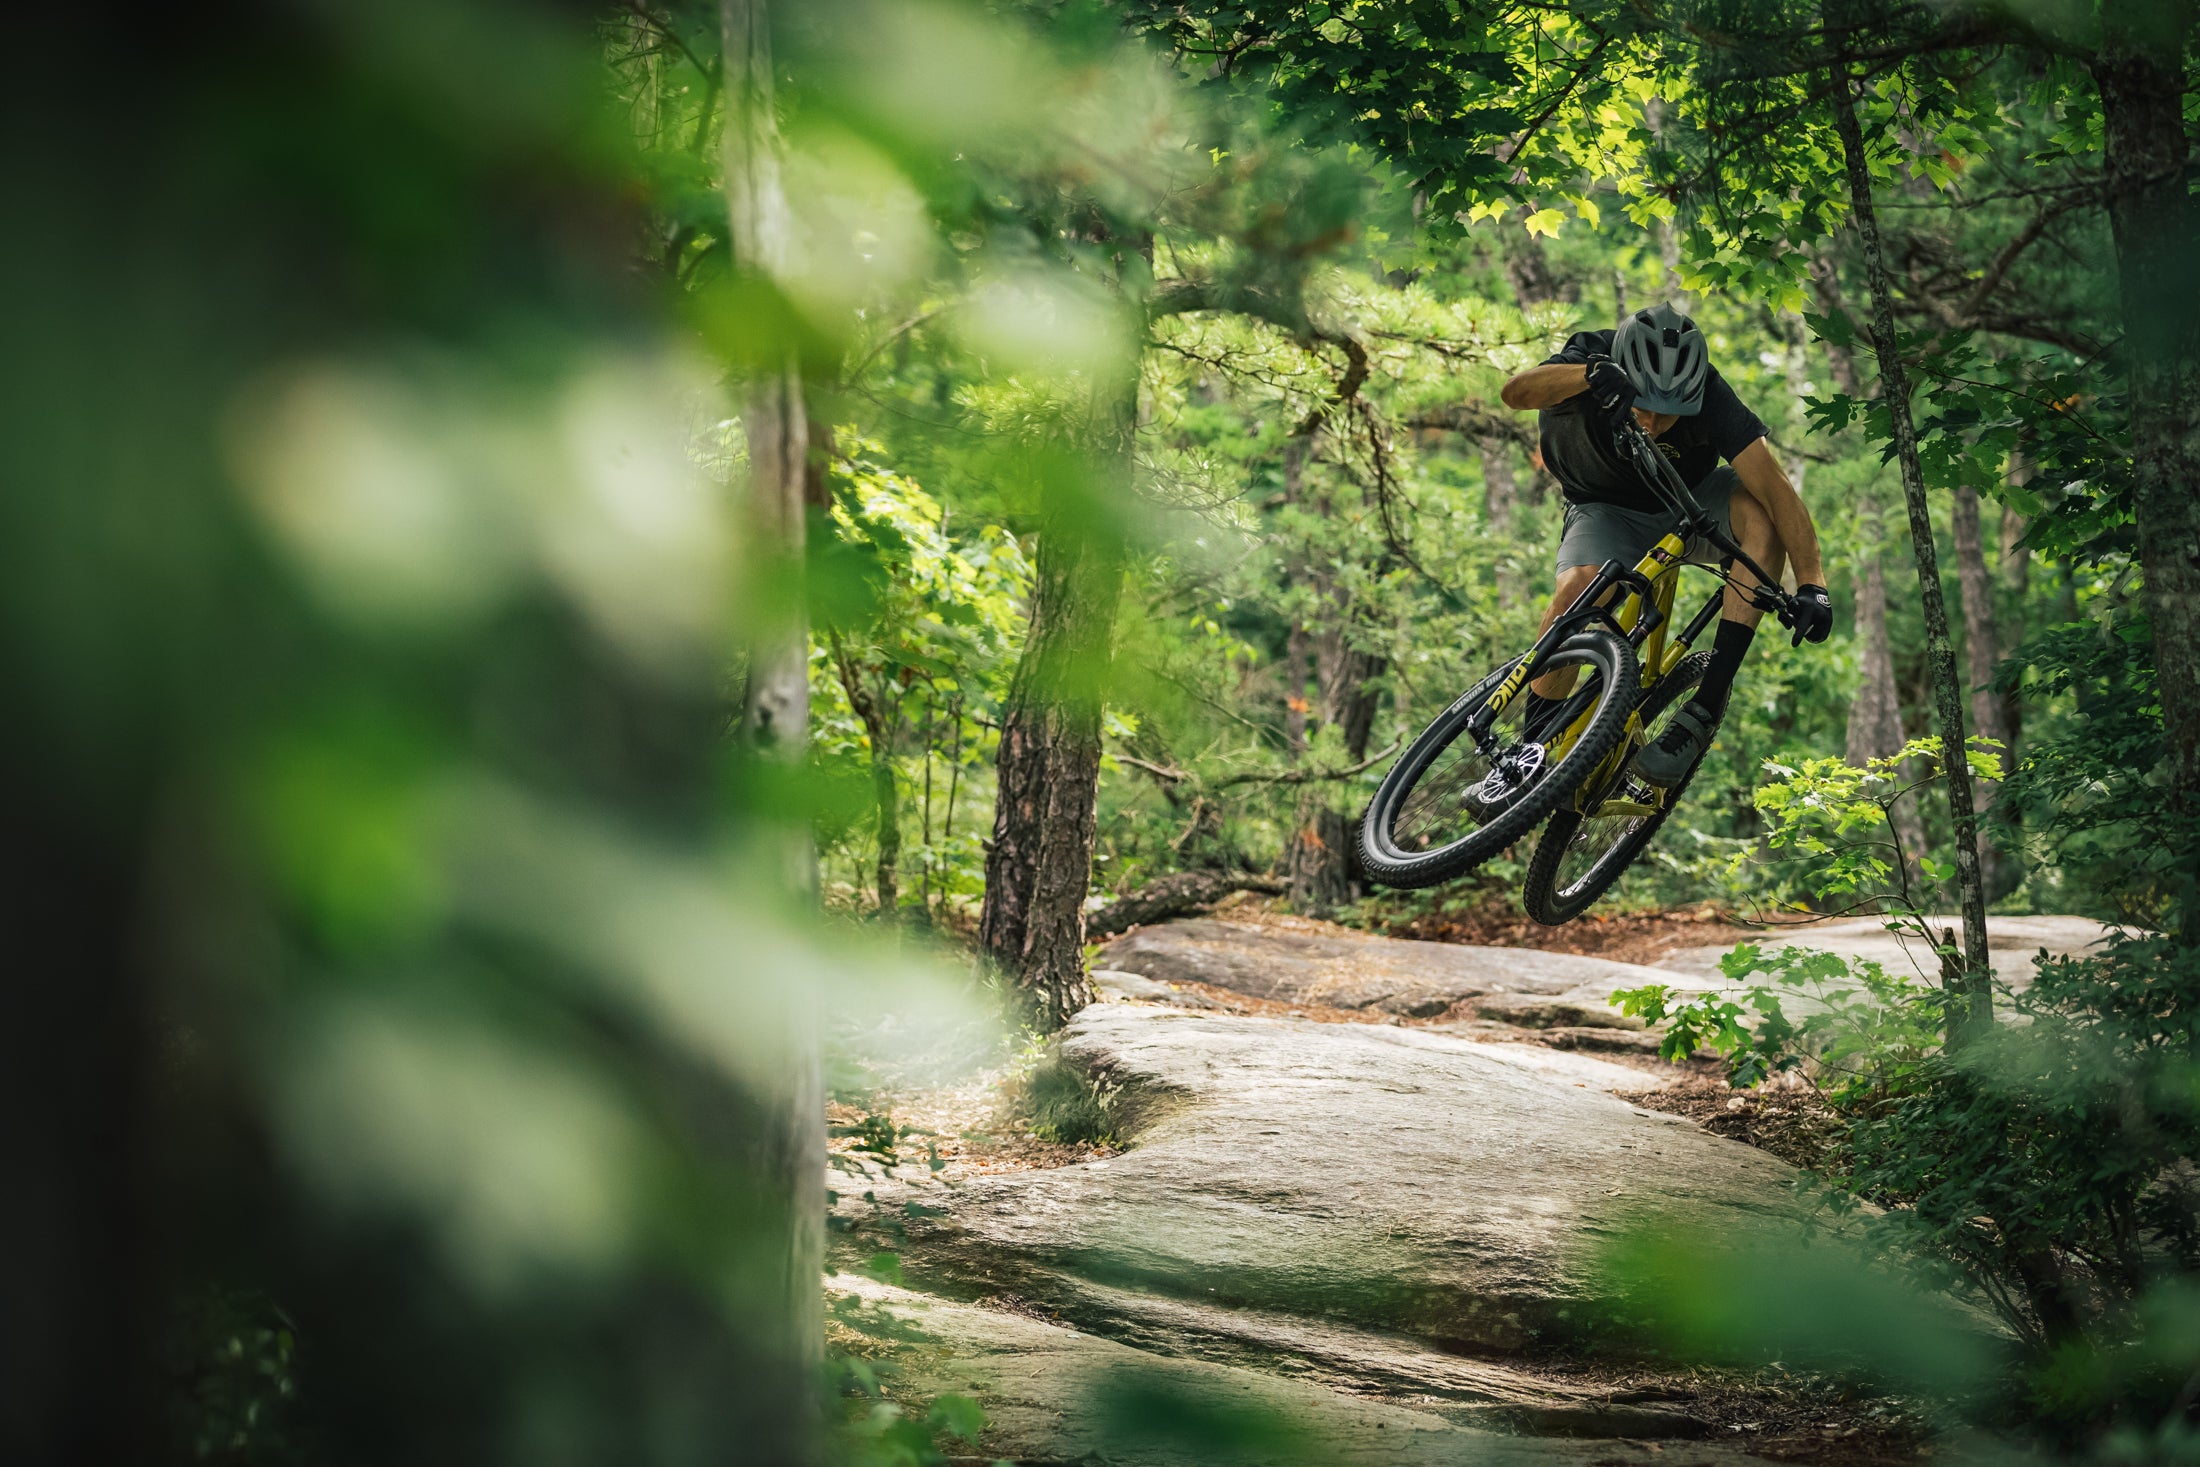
1768,484
1545,386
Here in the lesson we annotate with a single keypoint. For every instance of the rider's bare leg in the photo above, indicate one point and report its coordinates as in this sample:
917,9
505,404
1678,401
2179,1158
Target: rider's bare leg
1572,581
1754,532
1752,529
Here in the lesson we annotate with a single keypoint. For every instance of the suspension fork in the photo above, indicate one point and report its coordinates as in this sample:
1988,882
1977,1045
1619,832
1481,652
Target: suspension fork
1583,610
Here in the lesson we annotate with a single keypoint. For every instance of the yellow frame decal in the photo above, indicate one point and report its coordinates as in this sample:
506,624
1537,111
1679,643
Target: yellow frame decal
1661,567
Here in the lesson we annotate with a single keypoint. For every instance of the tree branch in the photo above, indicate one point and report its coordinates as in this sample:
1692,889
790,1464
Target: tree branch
1169,775
1476,420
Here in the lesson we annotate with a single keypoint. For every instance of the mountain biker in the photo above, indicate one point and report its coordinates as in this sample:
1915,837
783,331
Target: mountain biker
1656,364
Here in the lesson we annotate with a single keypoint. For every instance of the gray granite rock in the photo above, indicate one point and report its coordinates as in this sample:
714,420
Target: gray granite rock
1350,971
1116,985
2012,942
1371,1176
1057,1394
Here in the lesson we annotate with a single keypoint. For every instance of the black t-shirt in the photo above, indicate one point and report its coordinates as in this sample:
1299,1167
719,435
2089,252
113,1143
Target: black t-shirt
1577,447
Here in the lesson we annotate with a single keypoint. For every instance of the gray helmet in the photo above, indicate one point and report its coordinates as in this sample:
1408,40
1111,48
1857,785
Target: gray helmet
1665,357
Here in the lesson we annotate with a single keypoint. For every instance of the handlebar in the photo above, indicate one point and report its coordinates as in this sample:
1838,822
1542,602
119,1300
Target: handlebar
1664,482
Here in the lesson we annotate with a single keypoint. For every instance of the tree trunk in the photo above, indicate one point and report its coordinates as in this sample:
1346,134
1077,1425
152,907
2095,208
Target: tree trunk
1499,484
878,727
1501,490
784,1141
1528,270
1975,1001
2140,73
79,1333
1297,648
1032,923
1669,254
1825,282
1668,238
1982,654
1875,715
1318,866
1348,702
1039,868
2016,561
1981,638
1295,704
1320,858
2016,575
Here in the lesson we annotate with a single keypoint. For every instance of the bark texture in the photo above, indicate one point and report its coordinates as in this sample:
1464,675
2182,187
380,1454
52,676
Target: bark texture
1319,858
1501,486
1981,655
1940,658
1501,490
776,704
1296,704
2140,73
783,1142
1039,867
1825,285
1048,770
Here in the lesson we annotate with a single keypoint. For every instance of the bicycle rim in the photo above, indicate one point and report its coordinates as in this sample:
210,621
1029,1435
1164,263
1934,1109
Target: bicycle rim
1451,803
1583,853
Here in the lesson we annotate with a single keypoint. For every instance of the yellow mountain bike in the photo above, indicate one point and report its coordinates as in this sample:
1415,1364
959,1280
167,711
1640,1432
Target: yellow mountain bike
1476,780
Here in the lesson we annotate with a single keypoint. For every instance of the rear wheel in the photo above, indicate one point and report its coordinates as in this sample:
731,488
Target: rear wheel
1449,804
1581,855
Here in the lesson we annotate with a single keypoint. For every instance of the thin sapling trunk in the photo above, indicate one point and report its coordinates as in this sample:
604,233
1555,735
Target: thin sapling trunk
1975,1001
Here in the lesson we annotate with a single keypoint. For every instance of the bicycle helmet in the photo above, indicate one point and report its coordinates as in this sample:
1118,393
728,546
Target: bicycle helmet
1665,357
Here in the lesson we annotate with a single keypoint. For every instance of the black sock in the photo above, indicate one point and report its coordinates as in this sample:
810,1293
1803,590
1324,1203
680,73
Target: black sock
1727,651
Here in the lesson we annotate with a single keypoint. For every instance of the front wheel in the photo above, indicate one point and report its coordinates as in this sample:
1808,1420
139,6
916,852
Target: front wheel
1449,804
1582,853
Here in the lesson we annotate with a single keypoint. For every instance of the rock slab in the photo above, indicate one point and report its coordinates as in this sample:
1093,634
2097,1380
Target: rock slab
1053,1394
1375,1177
2012,942
1351,971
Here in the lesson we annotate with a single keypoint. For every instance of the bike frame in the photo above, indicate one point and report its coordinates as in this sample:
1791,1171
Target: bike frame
1642,615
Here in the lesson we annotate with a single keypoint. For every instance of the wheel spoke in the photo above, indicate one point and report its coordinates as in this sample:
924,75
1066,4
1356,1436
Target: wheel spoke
1465,787
1610,835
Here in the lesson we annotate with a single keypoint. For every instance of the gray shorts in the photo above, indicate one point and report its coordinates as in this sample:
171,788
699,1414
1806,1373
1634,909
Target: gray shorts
1595,533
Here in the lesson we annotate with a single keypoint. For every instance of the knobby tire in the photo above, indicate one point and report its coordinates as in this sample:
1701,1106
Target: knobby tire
1541,893
1383,859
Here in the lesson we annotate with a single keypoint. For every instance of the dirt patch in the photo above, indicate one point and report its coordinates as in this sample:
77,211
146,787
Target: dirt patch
1622,937
1776,1413
965,1128
1787,1119
1230,1001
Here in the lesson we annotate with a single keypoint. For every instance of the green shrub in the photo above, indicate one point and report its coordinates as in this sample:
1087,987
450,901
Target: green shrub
1059,1102
2050,1161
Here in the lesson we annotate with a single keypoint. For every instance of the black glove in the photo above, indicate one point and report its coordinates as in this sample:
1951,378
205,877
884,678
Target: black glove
1810,612
1610,390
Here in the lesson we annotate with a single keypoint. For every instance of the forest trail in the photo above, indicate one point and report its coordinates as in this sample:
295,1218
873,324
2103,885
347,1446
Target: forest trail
1363,1176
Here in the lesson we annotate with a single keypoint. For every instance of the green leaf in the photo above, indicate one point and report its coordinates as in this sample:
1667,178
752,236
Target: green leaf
958,1416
